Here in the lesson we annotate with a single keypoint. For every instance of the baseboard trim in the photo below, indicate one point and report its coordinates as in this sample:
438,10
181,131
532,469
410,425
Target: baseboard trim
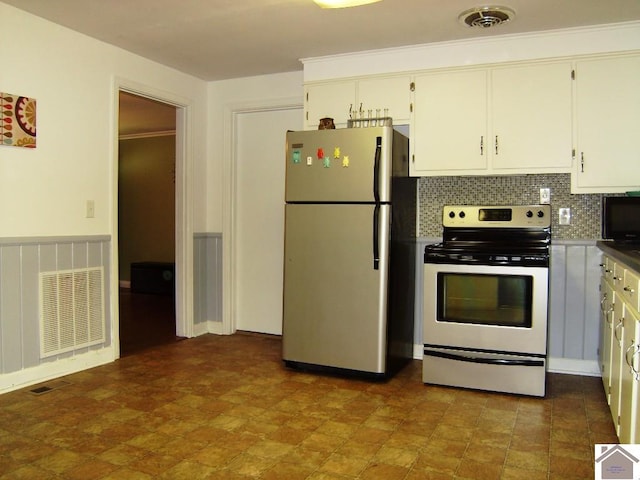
418,351
211,326
572,366
47,371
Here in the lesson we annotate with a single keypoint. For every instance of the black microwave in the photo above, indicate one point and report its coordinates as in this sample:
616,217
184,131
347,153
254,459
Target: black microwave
621,219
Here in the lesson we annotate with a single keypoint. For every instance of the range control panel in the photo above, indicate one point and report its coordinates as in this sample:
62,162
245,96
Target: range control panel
514,216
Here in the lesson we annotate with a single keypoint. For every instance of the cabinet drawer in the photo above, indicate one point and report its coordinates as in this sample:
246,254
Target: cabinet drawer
630,285
608,266
617,274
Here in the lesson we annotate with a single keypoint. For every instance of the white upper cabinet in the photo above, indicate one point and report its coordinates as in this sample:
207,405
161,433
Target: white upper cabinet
450,123
608,122
374,96
331,99
386,94
531,118
501,120
574,115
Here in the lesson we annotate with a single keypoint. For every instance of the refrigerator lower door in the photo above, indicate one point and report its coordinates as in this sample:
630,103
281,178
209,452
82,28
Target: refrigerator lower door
335,301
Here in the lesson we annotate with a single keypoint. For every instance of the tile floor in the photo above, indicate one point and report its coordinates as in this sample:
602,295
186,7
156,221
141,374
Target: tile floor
225,408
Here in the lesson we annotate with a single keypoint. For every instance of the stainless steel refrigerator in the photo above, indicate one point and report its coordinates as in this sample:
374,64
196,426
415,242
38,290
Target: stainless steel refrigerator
349,253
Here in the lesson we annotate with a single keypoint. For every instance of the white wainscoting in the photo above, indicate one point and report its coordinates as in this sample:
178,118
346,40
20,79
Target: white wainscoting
573,300
207,288
22,260
574,307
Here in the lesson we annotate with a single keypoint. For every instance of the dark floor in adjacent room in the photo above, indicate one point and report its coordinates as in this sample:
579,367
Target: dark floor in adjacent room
146,320
225,407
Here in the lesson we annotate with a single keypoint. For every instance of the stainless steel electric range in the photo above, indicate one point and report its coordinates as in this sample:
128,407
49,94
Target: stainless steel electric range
486,299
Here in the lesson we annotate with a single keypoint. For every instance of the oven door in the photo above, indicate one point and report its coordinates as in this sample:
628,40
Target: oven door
498,309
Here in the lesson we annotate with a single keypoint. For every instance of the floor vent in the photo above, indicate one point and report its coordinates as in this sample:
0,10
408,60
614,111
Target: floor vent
71,310
49,387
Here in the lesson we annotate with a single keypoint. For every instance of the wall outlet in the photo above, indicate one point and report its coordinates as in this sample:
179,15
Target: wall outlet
564,215
545,196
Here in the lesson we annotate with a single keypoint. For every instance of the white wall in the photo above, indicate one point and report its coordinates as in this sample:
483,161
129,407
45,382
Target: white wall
43,191
224,97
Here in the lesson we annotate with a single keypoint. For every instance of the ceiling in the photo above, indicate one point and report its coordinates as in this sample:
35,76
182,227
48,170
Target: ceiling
221,39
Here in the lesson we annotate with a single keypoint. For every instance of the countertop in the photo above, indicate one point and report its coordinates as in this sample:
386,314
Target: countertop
627,254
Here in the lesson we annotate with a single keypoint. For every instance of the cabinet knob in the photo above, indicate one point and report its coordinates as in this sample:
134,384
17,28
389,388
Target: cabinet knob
629,289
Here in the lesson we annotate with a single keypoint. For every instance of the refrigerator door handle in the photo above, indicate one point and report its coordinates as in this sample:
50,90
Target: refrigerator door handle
376,170
376,237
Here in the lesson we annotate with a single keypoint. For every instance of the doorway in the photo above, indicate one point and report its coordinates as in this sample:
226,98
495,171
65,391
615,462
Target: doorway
146,222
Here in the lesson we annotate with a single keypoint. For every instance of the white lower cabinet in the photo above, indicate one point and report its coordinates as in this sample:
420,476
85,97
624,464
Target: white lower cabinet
629,378
606,335
619,349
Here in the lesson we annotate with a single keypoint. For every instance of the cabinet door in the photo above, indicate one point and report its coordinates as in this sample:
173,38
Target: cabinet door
392,94
531,118
634,369
617,352
630,285
607,116
609,267
606,335
628,382
450,123
329,100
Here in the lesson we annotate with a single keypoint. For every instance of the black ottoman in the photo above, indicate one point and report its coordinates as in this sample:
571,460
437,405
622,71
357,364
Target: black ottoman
156,278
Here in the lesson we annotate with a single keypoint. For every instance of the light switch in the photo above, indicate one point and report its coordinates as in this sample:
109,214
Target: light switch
91,209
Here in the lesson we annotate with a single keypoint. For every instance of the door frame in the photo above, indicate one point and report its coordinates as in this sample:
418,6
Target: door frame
230,193
183,203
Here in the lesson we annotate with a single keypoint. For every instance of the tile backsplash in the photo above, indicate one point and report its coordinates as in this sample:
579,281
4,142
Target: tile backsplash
435,192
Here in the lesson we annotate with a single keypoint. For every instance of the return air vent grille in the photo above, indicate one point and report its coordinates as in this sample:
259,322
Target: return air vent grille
71,310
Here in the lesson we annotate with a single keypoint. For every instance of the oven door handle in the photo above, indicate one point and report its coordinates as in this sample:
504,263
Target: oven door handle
523,362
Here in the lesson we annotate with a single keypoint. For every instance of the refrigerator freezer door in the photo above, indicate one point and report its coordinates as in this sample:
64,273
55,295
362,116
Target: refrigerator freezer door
335,302
345,165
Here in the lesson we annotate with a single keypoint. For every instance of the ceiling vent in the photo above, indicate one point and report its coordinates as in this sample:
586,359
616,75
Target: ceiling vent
486,17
